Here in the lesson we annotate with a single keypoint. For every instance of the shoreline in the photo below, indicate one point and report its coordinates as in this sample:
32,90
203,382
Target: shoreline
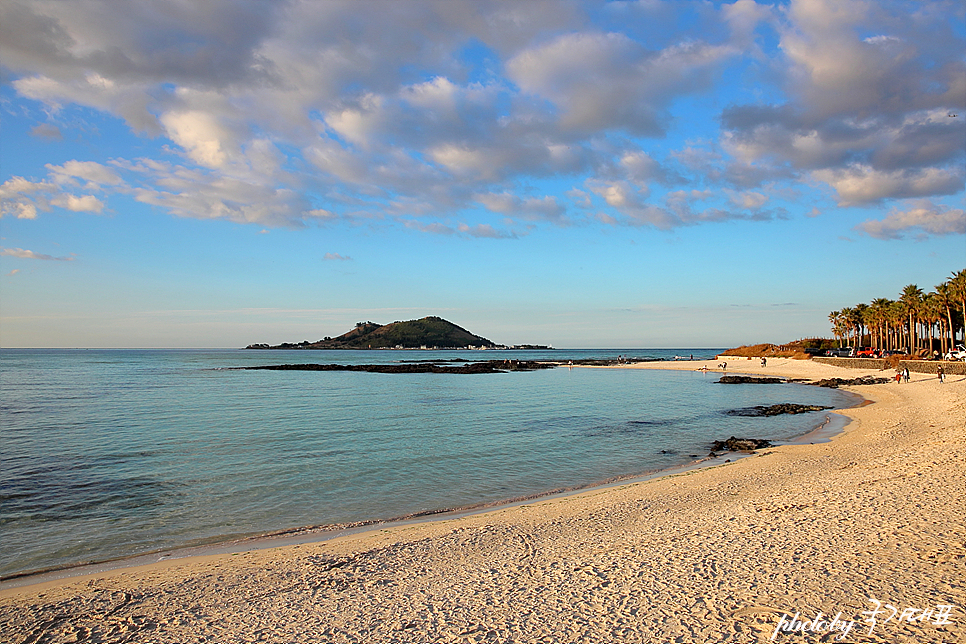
716,554
301,535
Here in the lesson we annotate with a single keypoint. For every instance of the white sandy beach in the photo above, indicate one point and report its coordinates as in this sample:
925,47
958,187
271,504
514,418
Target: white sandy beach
713,555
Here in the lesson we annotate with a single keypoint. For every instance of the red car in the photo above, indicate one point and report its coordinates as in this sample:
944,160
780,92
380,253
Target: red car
866,352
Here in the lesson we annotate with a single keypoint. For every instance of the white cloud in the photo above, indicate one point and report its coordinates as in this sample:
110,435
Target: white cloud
530,209
607,80
93,173
860,184
29,254
86,203
868,89
336,257
923,219
485,231
748,200
288,113
200,134
22,198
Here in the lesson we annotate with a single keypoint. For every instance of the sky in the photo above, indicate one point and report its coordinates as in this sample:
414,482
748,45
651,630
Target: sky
579,174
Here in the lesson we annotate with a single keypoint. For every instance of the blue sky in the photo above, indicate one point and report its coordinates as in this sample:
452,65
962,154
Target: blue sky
581,174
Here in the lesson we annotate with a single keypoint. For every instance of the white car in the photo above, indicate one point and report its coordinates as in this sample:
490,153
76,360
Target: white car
959,353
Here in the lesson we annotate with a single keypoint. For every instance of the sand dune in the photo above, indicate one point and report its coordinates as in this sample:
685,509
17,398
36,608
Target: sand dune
713,555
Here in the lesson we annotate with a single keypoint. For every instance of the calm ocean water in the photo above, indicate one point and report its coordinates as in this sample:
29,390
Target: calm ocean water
108,453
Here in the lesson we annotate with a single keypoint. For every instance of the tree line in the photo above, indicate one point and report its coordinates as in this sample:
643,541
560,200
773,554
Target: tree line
914,322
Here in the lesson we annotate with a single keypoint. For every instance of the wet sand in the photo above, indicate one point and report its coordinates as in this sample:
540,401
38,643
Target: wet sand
712,555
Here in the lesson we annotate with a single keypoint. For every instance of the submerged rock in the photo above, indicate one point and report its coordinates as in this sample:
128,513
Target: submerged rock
734,444
776,410
490,366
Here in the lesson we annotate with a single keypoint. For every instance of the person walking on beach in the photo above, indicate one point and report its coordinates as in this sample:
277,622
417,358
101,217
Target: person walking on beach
905,374
898,376
941,374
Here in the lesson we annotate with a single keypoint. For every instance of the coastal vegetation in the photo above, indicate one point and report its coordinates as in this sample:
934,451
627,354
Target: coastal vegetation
916,322
797,350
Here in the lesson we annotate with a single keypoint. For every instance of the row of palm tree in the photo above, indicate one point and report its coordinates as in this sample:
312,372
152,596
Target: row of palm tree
915,322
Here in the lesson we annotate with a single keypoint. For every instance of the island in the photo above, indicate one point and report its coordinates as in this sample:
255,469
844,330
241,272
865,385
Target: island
426,333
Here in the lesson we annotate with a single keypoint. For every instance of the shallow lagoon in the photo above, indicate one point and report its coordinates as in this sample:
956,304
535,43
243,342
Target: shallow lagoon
113,453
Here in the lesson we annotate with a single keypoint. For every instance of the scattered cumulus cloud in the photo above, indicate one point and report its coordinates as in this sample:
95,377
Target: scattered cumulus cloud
311,113
329,257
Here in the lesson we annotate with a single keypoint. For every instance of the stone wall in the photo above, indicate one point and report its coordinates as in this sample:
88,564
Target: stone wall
915,366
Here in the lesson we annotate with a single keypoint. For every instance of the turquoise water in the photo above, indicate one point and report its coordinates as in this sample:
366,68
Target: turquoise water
109,453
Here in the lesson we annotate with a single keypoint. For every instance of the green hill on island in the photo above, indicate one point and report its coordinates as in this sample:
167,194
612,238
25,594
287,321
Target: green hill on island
429,332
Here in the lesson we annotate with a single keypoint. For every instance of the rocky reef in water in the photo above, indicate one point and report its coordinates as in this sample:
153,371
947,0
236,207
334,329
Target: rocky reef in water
750,380
735,444
489,366
776,410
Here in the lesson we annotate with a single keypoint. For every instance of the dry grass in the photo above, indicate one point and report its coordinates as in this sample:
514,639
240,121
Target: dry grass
768,351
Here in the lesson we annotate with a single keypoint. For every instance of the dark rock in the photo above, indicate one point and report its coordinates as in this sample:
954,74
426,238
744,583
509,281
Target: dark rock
834,383
776,410
734,444
490,366
750,380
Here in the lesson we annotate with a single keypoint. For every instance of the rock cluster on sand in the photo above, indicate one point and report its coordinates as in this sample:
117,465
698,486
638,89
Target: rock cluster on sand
834,383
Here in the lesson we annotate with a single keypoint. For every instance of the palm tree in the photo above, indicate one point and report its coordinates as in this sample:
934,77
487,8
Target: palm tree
945,300
848,319
860,315
879,313
957,284
912,301
835,319
896,316
931,316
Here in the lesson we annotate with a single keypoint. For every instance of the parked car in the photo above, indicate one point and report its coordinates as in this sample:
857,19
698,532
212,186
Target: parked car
843,352
959,353
866,352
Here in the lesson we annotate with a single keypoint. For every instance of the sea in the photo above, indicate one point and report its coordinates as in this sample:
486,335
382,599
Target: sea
106,454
